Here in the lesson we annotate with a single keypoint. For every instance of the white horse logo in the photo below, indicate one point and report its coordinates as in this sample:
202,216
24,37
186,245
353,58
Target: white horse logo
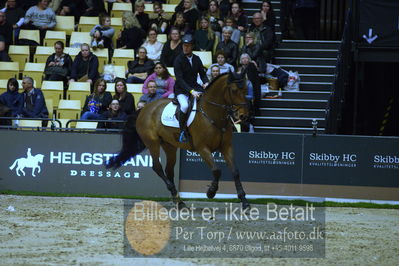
29,162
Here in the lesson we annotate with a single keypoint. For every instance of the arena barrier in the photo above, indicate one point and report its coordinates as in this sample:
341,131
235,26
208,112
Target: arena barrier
353,167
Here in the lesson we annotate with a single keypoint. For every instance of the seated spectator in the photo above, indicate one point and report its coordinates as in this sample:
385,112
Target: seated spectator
14,16
5,37
141,16
264,36
58,65
160,23
213,15
224,7
254,51
221,63
90,8
215,72
229,47
32,103
190,13
181,24
132,36
172,48
11,98
236,34
163,81
151,94
40,17
98,102
266,10
102,33
114,113
153,46
139,69
204,37
85,66
126,99
239,17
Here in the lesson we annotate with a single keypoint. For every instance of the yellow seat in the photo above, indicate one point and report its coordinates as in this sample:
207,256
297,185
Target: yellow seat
78,91
3,86
29,123
9,70
122,56
69,109
173,2
54,36
119,8
78,38
167,8
136,90
206,57
86,125
111,88
72,51
162,38
102,55
65,23
33,35
35,71
215,43
42,53
87,23
120,71
20,54
171,71
50,107
53,90
117,24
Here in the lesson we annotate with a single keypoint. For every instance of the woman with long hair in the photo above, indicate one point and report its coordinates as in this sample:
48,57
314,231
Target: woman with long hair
172,48
132,36
214,17
267,12
163,80
125,98
97,102
204,37
160,22
239,16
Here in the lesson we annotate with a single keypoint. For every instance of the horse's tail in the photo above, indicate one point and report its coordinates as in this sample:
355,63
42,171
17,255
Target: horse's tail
132,143
14,164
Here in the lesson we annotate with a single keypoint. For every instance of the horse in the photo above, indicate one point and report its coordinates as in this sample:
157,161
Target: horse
211,130
33,163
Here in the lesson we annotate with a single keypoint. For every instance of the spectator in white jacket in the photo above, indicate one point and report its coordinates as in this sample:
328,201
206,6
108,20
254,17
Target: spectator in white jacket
153,46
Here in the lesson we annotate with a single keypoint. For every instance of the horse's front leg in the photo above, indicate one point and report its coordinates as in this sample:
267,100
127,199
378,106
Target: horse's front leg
33,171
227,152
208,158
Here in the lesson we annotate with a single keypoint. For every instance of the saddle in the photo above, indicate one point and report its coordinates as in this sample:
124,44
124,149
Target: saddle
169,113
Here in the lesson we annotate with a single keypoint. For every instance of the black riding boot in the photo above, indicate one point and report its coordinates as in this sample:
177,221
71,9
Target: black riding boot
183,127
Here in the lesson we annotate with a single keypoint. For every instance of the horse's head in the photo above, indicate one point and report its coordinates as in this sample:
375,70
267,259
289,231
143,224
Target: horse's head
39,158
236,95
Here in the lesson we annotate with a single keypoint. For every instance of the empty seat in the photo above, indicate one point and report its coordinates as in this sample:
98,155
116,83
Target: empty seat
53,90
9,70
29,123
163,38
122,56
86,125
54,36
35,71
72,51
87,23
206,57
111,88
171,71
119,8
33,35
65,23
102,55
69,109
117,24
78,91
120,71
136,90
79,38
42,53
20,54
50,107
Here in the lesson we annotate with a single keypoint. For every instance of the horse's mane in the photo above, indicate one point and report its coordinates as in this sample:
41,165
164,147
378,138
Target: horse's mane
217,78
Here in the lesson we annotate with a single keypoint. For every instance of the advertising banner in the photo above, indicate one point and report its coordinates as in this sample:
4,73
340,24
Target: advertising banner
74,163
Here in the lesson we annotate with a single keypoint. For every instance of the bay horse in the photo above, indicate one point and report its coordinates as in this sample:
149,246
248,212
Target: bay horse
211,130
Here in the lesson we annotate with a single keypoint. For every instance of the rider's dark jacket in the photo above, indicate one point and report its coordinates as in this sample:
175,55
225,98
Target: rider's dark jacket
186,74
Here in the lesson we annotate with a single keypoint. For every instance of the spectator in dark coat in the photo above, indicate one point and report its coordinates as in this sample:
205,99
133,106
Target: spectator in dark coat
239,17
254,51
142,17
132,36
11,98
229,47
85,66
126,99
14,16
267,12
32,103
114,113
59,64
5,37
204,37
98,102
139,69
172,48
264,35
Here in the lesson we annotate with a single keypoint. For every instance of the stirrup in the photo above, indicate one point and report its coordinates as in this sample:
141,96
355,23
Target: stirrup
182,137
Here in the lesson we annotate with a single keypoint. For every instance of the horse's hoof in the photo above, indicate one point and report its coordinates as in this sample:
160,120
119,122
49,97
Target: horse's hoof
181,205
210,194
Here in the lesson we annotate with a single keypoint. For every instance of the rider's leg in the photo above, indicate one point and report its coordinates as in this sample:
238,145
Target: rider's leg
183,101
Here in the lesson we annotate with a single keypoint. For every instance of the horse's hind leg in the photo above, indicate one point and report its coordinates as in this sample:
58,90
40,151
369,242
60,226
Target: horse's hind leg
170,151
227,152
207,156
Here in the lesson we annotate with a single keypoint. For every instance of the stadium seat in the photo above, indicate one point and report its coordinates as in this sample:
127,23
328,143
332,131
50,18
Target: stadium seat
33,35
65,23
122,56
42,53
163,38
20,54
9,70
206,57
171,71
86,125
119,8
54,36
29,123
87,23
117,24
78,38
173,2
111,88
136,90
50,107
102,55
69,109
35,71
53,90
72,51
120,71
78,91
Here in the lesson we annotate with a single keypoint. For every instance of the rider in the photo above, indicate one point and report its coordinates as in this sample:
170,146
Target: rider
29,154
187,66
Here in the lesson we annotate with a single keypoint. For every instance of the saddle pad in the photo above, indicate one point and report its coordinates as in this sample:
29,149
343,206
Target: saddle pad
169,119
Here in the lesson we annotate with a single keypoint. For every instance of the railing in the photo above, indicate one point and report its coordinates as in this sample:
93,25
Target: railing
341,78
332,18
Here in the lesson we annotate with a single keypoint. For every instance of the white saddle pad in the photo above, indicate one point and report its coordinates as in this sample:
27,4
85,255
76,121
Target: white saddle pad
168,117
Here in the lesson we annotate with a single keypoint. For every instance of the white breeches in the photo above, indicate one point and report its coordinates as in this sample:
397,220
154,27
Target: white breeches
183,101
